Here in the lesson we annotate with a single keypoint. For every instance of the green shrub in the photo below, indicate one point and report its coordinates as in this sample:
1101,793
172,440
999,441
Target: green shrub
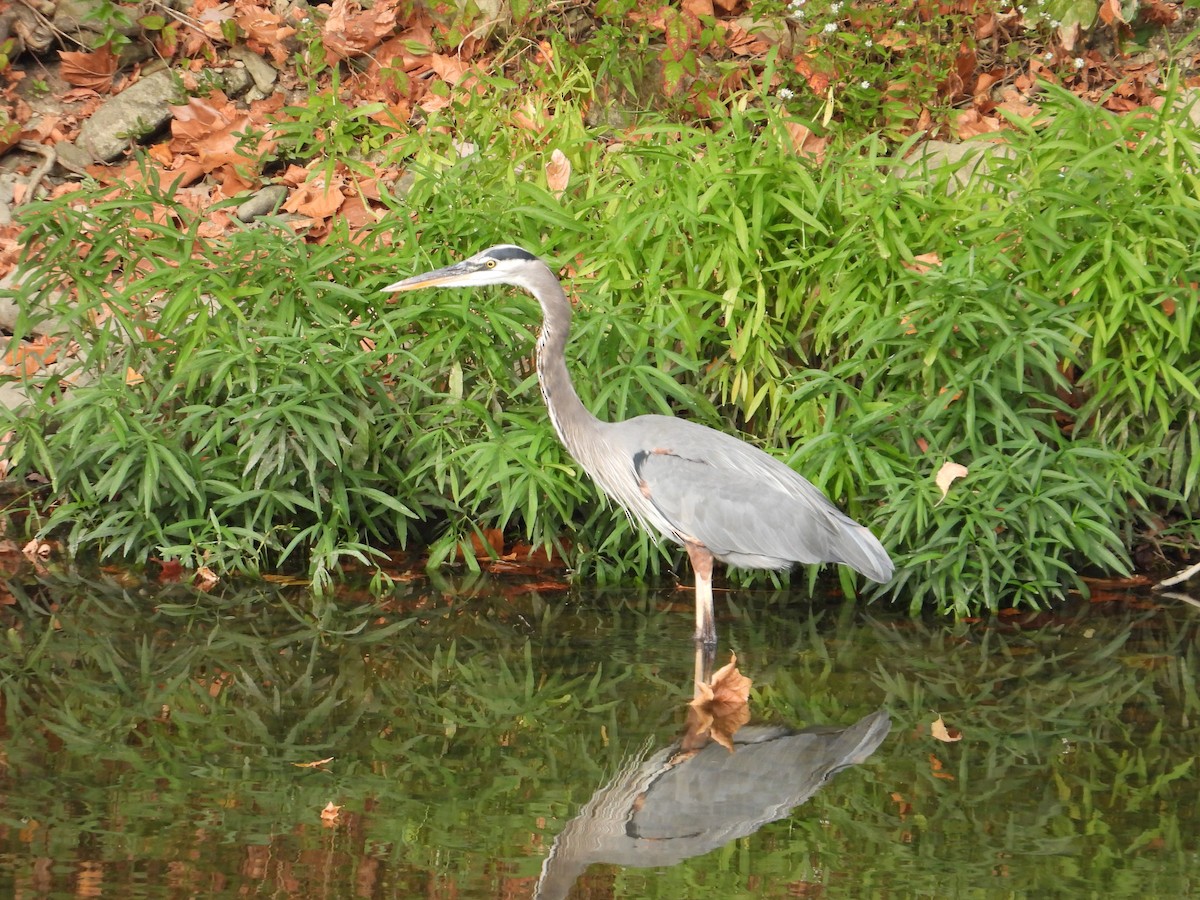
866,318
222,410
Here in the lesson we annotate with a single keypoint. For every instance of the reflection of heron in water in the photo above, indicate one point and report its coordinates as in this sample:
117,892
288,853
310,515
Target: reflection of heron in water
673,805
719,497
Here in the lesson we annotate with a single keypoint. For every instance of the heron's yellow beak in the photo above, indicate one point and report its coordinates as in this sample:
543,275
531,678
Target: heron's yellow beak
456,275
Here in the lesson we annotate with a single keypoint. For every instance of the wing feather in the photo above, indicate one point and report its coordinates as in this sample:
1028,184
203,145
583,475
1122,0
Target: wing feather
745,506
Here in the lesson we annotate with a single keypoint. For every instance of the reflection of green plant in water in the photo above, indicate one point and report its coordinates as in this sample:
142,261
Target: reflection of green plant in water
456,727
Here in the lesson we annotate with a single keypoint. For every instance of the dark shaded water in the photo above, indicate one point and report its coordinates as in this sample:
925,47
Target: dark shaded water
162,744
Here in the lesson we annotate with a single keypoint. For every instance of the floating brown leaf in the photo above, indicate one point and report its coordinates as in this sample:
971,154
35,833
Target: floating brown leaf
330,814
719,708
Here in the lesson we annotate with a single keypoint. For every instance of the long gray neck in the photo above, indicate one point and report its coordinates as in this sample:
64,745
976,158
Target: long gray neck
576,426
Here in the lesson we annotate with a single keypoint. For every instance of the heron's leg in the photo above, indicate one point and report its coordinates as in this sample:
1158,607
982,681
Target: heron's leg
702,565
706,655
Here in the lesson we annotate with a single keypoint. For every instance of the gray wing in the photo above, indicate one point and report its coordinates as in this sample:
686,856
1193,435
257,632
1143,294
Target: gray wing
746,507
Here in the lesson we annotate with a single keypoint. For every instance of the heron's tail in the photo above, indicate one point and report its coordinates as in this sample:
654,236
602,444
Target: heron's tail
862,552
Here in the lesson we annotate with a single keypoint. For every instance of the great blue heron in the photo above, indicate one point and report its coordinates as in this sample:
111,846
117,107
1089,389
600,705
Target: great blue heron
719,497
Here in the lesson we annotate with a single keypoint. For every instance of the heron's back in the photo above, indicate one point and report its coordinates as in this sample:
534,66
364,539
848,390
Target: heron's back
692,483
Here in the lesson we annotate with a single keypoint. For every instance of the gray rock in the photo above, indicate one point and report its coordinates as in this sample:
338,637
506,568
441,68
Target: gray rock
966,160
13,396
260,70
237,81
138,110
79,17
263,203
72,158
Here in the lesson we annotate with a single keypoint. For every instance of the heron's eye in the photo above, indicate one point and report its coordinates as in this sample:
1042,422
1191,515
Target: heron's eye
491,264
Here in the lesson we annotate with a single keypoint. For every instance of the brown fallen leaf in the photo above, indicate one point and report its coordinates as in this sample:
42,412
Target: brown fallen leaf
558,173
1015,103
318,198
922,264
1111,12
719,708
971,123
265,31
205,579
350,30
947,475
942,733
805,142
31,355
330,814
94,71
316,764
37,551
936,768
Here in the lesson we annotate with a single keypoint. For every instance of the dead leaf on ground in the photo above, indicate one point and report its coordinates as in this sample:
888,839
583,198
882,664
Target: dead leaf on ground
937,769
558,173
972,123
205,579
740,42
94,71
37,551
315,764
350,30
805,142
922,264
265,31
29,356
1111,13
941,732
947,475
1014,102
208,131
318,199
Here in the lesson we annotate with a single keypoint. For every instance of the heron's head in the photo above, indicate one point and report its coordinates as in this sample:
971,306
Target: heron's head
502,264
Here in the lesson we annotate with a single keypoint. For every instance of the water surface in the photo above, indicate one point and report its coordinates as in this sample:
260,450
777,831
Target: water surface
160,742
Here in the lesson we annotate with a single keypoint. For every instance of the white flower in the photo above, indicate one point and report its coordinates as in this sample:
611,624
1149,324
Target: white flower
1078,62
1054,23
1049,56
1022,9
798,15
864,84
834,7
785,93
870,43
830,28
